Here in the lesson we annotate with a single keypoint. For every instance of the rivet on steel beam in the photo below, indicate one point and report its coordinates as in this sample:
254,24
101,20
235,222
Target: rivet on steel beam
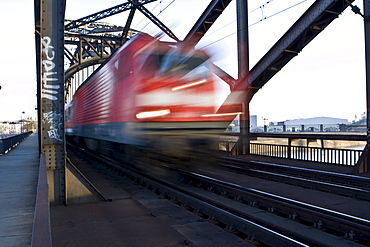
332,12
316,28
291,51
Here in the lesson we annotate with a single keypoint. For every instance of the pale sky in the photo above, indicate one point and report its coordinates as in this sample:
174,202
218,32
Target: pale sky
326,79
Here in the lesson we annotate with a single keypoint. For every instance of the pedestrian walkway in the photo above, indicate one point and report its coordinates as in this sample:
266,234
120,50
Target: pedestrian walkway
18,185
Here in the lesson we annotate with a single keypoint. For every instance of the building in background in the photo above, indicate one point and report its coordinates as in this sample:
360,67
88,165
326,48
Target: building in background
16,127
316,124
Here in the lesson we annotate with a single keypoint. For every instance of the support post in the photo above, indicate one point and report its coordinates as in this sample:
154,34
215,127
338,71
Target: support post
243,71
50,42
367,66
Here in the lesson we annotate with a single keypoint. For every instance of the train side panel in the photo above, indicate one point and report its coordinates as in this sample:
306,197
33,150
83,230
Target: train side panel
148,94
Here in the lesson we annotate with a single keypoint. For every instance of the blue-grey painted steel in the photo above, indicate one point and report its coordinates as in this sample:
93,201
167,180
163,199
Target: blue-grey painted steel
8,142
214,9
106,13
294,40
366,165
51,95
243,72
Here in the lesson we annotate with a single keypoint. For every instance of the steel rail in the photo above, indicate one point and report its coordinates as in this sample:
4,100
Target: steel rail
318,175
363,194
271,229
73,168
348,225
211,209
358,193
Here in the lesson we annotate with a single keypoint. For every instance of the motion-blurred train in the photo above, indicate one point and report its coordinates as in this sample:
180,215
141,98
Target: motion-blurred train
151,94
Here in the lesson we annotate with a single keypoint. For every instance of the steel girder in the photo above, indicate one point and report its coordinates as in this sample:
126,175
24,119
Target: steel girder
126,30
106,13
94,49
49,16
206,20
87,49
131,4
309,25
156,21
312,22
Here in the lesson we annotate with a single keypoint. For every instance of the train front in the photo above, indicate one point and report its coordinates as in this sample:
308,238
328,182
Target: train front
176,99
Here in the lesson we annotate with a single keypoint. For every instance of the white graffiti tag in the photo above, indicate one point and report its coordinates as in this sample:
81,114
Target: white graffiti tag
49,77
56,124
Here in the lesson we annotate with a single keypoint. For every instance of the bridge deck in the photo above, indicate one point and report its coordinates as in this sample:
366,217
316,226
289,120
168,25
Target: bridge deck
134,217
127,220
18,186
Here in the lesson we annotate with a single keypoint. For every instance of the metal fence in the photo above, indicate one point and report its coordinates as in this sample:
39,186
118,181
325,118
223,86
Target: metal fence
327,155
8,143
340,156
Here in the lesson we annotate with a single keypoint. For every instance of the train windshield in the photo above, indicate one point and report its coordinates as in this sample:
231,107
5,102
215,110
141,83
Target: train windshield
188,66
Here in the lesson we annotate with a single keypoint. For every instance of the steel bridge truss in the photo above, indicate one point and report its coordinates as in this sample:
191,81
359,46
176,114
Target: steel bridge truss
309,25
87,43
83,50
95,49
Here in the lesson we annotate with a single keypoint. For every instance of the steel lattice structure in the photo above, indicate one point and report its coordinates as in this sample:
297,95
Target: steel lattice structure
312,22
88,43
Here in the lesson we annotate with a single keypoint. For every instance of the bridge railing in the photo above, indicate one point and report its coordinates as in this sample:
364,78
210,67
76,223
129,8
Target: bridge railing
9,142
327,155
340,156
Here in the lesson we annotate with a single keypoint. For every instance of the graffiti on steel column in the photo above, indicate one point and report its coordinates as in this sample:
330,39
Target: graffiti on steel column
50,83
56,124
50,89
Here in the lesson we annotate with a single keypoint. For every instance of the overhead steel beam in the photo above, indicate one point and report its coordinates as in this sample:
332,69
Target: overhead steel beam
309,25
156,21
105,13
89,50
127,26
205,21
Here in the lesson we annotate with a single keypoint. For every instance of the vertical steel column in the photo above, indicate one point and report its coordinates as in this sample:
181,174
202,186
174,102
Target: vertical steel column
367,66
243,71
51,96
37,10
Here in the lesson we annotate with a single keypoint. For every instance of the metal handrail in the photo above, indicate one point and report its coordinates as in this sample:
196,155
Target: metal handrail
9,142
347,157
321,154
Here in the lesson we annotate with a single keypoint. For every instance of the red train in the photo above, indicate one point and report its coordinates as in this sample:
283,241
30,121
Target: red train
150,93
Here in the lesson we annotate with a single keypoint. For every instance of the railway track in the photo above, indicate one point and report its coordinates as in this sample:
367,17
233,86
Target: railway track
330,221
261,218
338,183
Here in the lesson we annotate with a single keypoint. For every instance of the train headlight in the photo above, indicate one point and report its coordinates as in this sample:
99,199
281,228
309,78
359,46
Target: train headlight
152,114
192,84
